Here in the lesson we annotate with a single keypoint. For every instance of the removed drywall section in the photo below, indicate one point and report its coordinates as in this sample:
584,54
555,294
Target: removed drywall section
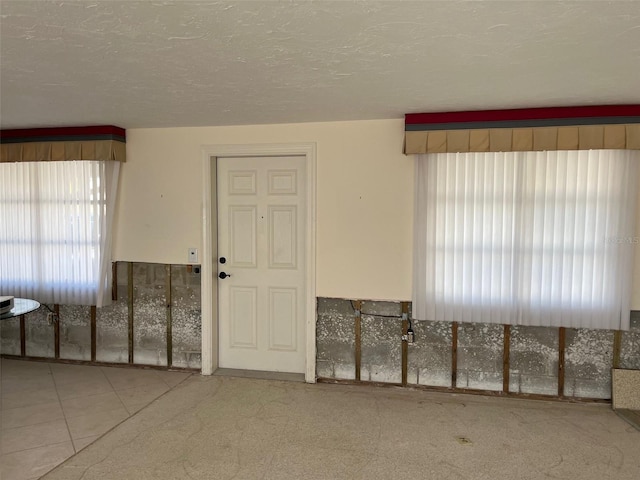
630,344
39,334
335,333
142,291
149,314
480,356
430,355
381,342
10,336
533,360
588,363
186,316
75,332
112,339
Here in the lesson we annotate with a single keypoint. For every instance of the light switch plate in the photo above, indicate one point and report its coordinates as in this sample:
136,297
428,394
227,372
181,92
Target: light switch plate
193,255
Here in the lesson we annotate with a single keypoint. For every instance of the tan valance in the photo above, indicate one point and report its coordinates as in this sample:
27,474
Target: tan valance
63,144
547,129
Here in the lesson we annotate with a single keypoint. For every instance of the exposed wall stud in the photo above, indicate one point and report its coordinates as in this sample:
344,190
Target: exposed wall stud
561,351
130,307
23,337
114,281
506,350
169,316
93,332
405,343
358,336
454,354
617,343
56,331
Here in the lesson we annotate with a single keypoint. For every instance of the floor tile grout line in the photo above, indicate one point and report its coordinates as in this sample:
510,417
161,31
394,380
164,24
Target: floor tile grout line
112,387
31,424
129,414
66,422
39,446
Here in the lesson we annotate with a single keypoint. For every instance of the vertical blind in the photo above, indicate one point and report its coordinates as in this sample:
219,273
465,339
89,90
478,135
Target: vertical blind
55,235
526,238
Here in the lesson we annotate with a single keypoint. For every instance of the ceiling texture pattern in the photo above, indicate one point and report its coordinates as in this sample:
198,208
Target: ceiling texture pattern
196,63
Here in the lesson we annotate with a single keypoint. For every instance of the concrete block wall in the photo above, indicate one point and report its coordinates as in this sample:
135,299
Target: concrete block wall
429,359
480,356
533,352
112,322
630,344
186,316
533,360
381,351
150,311
75,332
39,338
10,336
335,339
588,363
153,294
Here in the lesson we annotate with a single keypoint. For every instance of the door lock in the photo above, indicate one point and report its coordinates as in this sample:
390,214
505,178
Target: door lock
223,275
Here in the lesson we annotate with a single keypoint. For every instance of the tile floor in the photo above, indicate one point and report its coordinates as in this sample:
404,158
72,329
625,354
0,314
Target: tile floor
49,411
222,427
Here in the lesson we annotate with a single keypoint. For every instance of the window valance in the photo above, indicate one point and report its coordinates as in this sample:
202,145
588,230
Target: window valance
97,143
518,130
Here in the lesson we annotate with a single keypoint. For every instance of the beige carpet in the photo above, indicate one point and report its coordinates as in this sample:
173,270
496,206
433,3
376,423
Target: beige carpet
224,428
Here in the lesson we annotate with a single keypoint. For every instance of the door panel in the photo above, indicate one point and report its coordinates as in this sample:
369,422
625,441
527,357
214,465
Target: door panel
243,316
282,319
243,236
282,236
261,221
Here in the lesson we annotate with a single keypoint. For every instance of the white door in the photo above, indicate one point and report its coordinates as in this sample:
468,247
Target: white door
261,246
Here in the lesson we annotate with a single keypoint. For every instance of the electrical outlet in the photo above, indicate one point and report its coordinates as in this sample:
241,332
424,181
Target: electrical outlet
193,255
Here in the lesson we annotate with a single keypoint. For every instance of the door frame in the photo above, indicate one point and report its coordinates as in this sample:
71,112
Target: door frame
209,301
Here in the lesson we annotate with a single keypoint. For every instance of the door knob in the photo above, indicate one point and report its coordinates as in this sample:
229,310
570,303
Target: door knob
223,275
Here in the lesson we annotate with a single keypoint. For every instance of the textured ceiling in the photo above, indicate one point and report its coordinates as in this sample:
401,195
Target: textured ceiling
183,63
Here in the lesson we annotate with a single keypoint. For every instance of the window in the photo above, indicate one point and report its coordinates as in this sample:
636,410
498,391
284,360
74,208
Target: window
55,240
525,238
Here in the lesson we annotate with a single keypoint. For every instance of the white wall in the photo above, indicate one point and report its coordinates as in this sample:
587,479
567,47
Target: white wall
365,201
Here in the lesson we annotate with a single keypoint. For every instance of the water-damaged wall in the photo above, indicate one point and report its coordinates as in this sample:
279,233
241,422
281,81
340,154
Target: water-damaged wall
533,359
186,315
39,338
153,299
630,344
10,336
75,332
112,322
150,311
429,358
480,356
589,358
381,351
335,334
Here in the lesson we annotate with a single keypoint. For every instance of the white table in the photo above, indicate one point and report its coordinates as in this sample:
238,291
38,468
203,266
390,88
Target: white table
21,306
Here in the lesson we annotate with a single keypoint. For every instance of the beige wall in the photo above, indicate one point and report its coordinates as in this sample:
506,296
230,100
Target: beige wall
635,294
364,201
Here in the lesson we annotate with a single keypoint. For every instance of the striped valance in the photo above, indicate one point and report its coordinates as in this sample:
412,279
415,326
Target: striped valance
59,144
532,129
